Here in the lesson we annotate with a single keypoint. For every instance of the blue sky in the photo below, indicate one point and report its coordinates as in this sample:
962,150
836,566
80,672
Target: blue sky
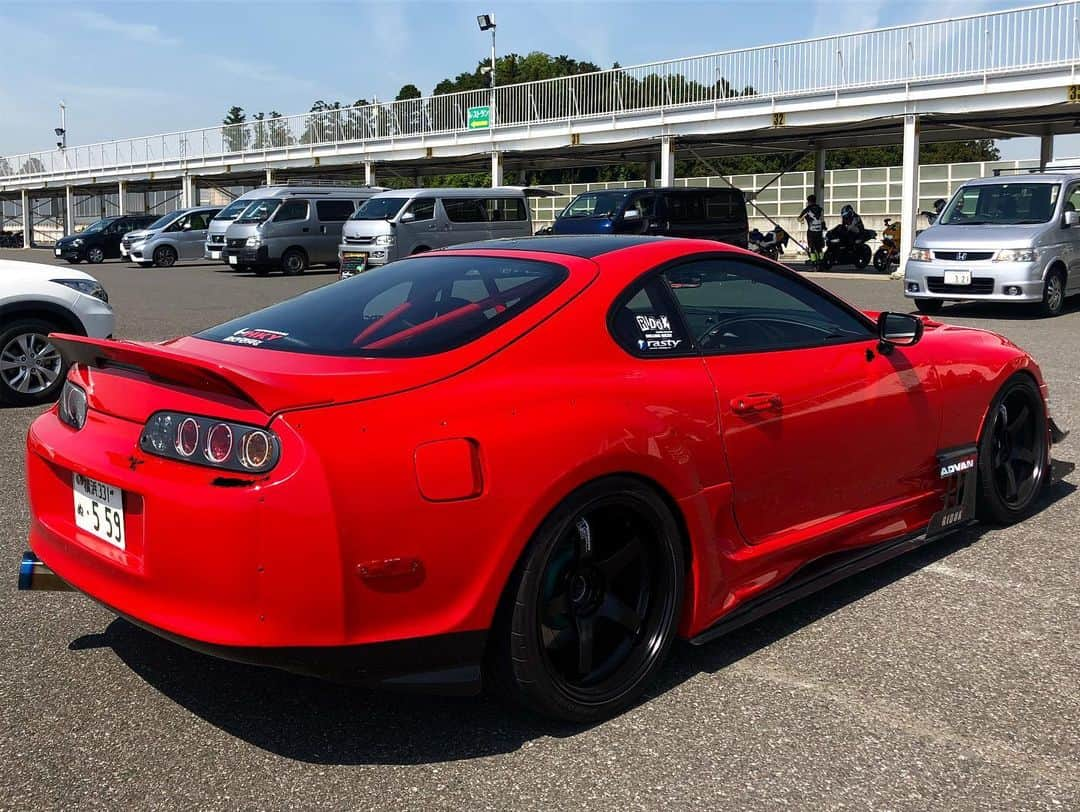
138,68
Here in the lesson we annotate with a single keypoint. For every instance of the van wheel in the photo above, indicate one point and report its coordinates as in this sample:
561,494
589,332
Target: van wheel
95,255
1053,293
928,305
293,262
165,257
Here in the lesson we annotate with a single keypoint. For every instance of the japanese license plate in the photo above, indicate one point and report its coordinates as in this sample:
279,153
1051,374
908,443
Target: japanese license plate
957,277
233,259
99,509
215,255
58,252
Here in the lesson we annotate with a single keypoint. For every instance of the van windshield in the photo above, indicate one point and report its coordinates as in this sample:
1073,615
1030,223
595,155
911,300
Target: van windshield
233,210
259,211
1011,204
595,204
94,228
380,208
161,222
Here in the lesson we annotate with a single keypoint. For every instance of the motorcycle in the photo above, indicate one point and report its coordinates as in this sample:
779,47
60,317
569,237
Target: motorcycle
771,244
889,252
853,250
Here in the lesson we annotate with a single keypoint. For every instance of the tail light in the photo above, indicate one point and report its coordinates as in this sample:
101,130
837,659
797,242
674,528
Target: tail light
72,405
206,441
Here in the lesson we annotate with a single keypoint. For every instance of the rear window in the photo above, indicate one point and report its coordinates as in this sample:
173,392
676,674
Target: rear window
410,308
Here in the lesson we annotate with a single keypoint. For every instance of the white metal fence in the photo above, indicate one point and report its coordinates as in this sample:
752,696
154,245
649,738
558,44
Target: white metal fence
978,45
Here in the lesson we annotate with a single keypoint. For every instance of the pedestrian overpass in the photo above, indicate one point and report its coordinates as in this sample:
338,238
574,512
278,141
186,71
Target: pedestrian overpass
996,75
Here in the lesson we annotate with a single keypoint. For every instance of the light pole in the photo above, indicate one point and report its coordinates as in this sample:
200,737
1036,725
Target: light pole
61,131
487,23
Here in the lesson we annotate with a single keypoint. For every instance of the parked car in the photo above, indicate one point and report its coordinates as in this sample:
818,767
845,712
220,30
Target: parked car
178,235
291,229
704,213
403,222
101,240
36,300
1007,239
530,464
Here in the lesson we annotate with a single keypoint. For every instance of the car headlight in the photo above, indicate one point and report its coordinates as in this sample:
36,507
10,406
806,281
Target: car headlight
386,239
87,286
920,255
77,242
253,242
1016,255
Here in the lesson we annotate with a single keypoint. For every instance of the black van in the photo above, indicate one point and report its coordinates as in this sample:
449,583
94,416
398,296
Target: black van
711,214
101,240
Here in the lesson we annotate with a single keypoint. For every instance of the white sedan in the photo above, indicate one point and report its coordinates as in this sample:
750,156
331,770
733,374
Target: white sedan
36,300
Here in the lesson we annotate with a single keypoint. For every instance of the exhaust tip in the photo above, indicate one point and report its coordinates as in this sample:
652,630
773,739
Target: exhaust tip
35,574
26,571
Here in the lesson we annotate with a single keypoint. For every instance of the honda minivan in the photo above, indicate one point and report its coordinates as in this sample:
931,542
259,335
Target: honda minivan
178,235
1005,239
398,223
291,229
702,213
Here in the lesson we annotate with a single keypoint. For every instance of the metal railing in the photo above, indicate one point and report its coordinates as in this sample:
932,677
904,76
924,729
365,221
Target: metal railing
978,45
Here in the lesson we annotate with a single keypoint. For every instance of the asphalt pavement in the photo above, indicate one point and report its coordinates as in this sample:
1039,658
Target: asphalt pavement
946,679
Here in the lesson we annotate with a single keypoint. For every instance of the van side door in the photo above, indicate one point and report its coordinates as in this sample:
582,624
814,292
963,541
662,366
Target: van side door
421,231
331,216
467,219
292,225
1072,238
507,217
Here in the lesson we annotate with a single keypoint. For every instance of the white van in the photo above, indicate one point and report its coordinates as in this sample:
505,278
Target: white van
399,223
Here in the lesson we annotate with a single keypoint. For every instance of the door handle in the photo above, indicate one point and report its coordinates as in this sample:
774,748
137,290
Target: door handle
306,229
756,402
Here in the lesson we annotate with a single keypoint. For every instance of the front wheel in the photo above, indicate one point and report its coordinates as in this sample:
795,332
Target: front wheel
862,256
881,259
1012,452
95,255
293,262
591,613
31,367
165,256
1053,301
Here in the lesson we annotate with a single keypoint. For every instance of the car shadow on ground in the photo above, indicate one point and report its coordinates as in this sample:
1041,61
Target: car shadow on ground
1006,312
312,721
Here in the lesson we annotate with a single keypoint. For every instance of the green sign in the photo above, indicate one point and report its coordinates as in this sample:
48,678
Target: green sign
479,117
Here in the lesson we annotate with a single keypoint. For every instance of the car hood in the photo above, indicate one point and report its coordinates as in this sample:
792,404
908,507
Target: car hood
31,273
141,234
987,237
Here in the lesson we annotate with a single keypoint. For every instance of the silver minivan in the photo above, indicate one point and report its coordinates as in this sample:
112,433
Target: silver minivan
402,222
291,229
1009,238
178,235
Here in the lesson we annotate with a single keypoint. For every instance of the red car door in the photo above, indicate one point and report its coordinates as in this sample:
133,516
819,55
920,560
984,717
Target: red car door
819,427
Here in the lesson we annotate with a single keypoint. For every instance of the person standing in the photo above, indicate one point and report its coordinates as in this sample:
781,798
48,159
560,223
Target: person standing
814,217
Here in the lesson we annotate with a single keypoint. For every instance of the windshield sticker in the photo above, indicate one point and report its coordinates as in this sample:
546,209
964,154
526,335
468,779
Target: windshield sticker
253,337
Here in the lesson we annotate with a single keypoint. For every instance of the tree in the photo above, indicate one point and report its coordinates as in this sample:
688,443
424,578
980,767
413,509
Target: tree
32,166
234,134
408,92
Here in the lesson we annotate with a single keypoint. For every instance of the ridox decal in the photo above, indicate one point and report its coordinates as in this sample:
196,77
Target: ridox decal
654,324
253,337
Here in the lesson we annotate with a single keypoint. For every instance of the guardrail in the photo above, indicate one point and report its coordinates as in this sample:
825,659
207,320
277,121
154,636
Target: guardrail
978,45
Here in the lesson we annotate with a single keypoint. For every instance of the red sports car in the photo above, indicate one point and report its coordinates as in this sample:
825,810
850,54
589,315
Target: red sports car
531,463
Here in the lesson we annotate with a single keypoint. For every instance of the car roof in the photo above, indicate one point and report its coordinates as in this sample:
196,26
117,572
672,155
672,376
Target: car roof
1025,177
450,191
586,246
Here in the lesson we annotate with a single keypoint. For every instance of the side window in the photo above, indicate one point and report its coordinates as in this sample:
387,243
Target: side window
333,211
723,206
422,209
1072,198
465,210
198,221
504,209
645,324
292,210
685,207
178,224
731,305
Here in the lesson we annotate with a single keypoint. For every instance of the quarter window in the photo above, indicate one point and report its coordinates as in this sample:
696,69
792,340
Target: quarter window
465,210
730,305
292,210
504,209
646,323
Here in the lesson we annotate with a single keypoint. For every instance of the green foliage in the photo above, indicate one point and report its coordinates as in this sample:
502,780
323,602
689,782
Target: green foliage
234,135
408,92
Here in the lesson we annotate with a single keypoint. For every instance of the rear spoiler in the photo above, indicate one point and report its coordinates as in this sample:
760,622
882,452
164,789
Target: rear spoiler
166,365
532,191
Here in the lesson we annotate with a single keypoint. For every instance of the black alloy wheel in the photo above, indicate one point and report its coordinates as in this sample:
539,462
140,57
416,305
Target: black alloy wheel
1013,459
95,255
596,606
165,256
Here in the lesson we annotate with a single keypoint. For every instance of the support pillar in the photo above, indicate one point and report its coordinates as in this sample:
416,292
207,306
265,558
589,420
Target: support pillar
1046,149
819,175
650,174
667,161
69,210
269,176
909,202
369,173
27,227
496,169
121,198
187,192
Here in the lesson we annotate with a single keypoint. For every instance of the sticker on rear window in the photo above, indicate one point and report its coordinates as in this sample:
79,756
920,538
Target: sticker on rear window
253,337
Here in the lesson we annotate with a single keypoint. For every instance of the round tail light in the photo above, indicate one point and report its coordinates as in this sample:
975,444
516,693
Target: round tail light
255,449
187,437
219,442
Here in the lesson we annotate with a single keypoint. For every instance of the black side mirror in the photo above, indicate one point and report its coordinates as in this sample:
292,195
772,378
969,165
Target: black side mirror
898,330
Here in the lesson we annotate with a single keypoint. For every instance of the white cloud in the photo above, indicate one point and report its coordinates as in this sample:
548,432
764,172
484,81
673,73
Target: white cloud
135,31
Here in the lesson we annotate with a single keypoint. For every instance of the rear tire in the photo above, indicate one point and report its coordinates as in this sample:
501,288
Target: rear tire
881,260
928,305
1013,459
591,612
1053,302
32,369
293,262
165,256
862,256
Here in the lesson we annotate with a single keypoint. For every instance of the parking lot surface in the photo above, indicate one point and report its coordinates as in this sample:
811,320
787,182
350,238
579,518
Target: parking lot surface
948,678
